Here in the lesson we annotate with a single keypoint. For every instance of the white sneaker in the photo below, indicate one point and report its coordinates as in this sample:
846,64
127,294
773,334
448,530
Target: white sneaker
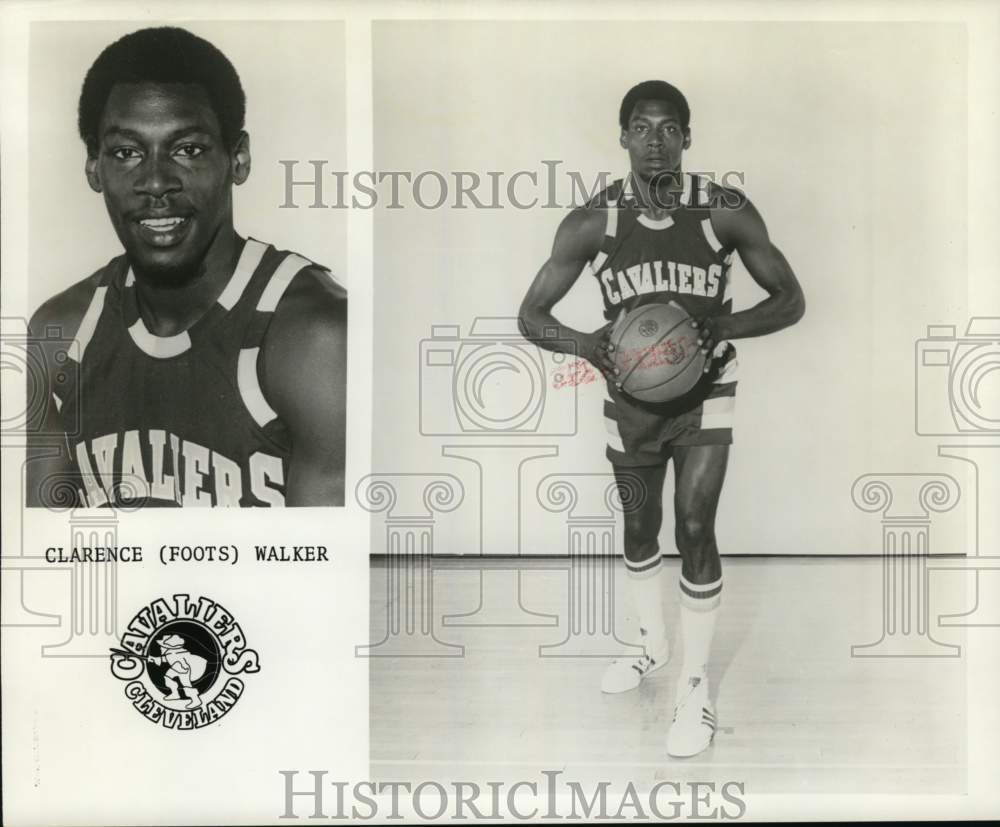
693,726
627,673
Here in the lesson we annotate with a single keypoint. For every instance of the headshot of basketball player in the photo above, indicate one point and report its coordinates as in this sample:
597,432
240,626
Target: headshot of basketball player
208,368
663,235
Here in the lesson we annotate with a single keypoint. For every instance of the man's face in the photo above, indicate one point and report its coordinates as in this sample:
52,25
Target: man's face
654,139
166,175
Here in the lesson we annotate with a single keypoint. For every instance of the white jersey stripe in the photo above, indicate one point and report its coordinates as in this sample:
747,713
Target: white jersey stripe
88,324
253,396
280,280
253,252
614,435
159,347
612,226
656,224
710,236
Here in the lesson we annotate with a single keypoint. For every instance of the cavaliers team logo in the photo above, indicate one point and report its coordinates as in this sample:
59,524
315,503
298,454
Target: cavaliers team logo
648,327
181,658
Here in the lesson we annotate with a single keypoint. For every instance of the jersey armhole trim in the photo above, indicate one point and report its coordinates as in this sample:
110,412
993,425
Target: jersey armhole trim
88,324
250,390
279,281
711,237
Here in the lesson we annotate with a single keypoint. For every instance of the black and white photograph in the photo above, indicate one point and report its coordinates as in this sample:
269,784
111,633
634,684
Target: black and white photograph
665,294
205,365
651,474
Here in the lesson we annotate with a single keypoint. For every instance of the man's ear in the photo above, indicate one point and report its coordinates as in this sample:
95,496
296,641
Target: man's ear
90,168
241,159
687,139
623,139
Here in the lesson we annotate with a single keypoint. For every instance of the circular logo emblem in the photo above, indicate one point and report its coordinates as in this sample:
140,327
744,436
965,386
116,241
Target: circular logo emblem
648,327
181,657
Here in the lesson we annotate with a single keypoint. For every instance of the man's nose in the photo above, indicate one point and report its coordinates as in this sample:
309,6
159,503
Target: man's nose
157,177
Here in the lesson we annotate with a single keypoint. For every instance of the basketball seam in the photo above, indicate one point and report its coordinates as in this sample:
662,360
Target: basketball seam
624,379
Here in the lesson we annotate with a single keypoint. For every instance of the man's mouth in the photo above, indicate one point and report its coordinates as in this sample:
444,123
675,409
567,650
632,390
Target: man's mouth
163,231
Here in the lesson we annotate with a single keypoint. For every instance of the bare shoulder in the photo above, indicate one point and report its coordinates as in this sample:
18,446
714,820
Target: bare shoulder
735,219
720,197
308,330
581,232
60,316
313,302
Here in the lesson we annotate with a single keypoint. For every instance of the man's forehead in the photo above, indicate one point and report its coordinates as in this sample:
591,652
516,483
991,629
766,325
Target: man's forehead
648,108
141,106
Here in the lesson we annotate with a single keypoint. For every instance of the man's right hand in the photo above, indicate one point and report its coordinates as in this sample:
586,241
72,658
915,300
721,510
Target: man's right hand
597,349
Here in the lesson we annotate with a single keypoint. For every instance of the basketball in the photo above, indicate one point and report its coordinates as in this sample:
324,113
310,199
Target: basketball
656,352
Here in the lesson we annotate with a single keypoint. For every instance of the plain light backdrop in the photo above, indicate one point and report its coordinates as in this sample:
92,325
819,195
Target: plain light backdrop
851,140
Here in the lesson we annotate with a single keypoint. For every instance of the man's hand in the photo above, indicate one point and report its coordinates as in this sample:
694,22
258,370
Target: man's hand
597,349
711,330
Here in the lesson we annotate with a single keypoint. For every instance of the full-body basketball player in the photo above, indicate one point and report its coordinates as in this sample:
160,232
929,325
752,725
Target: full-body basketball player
209,368
665,235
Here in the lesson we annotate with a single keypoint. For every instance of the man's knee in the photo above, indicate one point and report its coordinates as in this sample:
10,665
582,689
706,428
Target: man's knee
642,530
693,533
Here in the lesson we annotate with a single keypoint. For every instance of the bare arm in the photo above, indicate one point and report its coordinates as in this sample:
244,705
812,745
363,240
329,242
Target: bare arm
305,373
743,229
577,241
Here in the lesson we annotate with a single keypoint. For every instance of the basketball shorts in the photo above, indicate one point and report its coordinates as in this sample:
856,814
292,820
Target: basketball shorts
642,433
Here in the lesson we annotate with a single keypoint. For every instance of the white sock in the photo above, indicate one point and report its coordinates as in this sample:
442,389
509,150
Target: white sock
699,610
646,586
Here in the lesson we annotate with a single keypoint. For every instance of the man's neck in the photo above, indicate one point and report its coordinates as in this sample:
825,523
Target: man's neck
169,310
665,198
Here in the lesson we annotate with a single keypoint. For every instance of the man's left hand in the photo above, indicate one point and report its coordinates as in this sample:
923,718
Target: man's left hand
710,333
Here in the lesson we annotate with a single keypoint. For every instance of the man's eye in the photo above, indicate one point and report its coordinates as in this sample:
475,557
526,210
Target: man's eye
190,150
125,153
639,128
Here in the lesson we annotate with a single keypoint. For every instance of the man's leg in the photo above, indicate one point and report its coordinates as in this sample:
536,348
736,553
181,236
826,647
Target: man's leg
699,474
641,493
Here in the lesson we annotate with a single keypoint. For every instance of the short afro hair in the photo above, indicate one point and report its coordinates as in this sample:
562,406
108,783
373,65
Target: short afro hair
162,55
658,90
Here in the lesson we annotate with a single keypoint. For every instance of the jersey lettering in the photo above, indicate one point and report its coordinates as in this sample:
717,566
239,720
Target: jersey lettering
661,277
201,477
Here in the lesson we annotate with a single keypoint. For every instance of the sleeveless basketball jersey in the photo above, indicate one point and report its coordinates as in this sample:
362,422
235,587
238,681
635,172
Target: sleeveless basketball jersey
676,258
180,420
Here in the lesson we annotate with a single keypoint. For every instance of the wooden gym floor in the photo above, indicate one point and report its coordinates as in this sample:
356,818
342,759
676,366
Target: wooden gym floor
797,713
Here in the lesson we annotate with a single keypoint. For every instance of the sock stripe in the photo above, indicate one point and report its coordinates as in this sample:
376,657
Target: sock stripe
642,567
700,592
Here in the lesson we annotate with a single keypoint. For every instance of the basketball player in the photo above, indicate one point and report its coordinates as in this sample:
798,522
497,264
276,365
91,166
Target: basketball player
665,235
185,667
207,369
